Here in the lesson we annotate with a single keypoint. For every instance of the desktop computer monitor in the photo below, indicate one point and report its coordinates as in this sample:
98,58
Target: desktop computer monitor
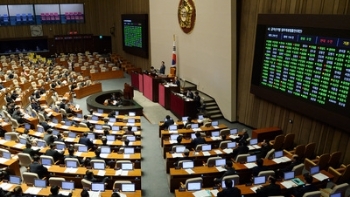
100,111
131,138
184,119
55,132
172,128
127,166
27,126
115,128
116,113
180,149
67,185
174,136
7,137
98,127
132,114
129,150
187,164
288,175
54,120
253,141
193,136
113,120
338,194
105,149
6,155
91,136
72,135
314,170
71,164
134,129
98,187
233,131
278,154
39,183
215,133
206,147
194,126
68,123
193,186
22,140
258,180
82,149
131,120
94,118
215,123
220,162
251,159
79,115
200,117
40,129
60,146
128,187
99,166
110,137
46,161
15,179
41,143
231,144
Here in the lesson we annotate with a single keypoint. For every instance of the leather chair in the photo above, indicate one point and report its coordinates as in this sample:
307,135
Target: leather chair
267,173
341,174
309,151
298,169
269,154
223,144
288,142
326,192
29,177
193,180
277,143
234,178
334,159
241,158
86,184
24,159
321,161
56,181
312,194
211,161
117,183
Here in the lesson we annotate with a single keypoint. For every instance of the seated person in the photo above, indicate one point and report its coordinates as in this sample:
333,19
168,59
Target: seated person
198,140
30,151
308,187
265,148
295,161
189,122
71,155
244,136
54,192
85,140
86,121
54,153
185,157
89,175
272,189
105,120
241,149
168,121
229,191
48,137
230,170
104,140
17,192
129,131
26,136
189,94
260,167
37,167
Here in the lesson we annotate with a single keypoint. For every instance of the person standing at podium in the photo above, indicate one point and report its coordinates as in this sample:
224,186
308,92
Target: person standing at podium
162,68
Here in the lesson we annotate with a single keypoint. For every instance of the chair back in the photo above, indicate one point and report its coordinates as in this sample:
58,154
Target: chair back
340,188
11,135
56,181
235,178
300,150
323,161
28,177
223,144
207,124
298,169
270,154
309,150
14,123
86,184
242,158
120,162
97,161
41,117
24,159
199,147
267,173
117,183
72,160
334,159
312,194
288,141
47,157
82,125
173,148
211,161
224,132
191,180
278,142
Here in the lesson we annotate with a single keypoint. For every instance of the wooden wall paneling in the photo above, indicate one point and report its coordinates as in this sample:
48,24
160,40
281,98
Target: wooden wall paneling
344,149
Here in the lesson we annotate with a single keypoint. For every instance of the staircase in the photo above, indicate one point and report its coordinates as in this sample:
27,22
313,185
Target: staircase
211,108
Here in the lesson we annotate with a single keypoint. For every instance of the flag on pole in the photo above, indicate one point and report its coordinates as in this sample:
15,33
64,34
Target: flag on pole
173,61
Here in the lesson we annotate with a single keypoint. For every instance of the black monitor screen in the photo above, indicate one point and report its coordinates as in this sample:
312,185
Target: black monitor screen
135,34
302,62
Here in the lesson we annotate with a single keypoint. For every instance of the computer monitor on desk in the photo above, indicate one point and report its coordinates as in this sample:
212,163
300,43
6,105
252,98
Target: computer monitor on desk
68,123
194,126
113,120
67,185
174,136
99,166
71,164
132,114
128,187
220,162
184,119
223,185
60,146
172,127
134,129
258,180
251,159
40,129
338,194
253,141
72,135
215,133
314,170
194,186
180,149
98,127
15,179
288,175
98,187
206,147
110,137
91,136
187,164
100,111
231,144
278,154
131,138
127,166
46,161
22,140
215,123
233,131
129,150
82,149
39,183
105,149
95,118
27,126
79,115
115,128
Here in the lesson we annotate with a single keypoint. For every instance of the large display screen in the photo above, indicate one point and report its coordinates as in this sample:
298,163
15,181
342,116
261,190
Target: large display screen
135,34
304,67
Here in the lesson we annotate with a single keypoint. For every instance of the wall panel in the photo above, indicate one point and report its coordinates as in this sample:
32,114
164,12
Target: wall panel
328,139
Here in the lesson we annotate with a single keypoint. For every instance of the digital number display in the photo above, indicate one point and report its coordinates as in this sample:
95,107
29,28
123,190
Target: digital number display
132,34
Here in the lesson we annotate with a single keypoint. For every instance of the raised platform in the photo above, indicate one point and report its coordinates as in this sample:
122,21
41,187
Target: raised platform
96,101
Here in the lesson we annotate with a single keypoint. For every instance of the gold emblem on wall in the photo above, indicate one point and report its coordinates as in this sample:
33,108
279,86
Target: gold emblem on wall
186,15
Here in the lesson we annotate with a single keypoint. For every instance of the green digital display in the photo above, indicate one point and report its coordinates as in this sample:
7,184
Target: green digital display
132,34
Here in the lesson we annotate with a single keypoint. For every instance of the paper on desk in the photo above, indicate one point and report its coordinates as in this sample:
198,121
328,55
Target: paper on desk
251,147
218,152
206,153
38,134
124,173
110,123
114,132
173,141
130,124
33,190
277,160
173,131
189,171
78,153
101,172
3,160
97,114
104,155
77,119
197,129
320,176
65,127
214,192
130,143
256,146
6,186
288,184
255,188
93,121
126,156
36,147
94,194
216,138
221,169
216,127
19,146
250,165
64,192
48,167
52,124
71,170
69,139
285,159
118,172
234,136
110,142
228,150
98,131
202,193
94,141
174,155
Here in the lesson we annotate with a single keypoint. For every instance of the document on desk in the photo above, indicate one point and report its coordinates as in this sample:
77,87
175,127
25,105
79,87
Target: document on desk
174,155
288,184
98,131
2,141
285,159
173,131
94,141
64,192
94,194
214,192
32,190
215,138
52,124
121,173
48,167
6,186
206,153
234,136
130,124
221,169
126,156
101,172
38,134
255,188
202,193
71,170
256,146
228,150
277,160
36,148
97,114
216,127
189,171
173,141
77,153
77,119
64,127
3,160
320,176
250,165
93,121
218,152
197,129
130,143
110,142
69,139
104,155
20,146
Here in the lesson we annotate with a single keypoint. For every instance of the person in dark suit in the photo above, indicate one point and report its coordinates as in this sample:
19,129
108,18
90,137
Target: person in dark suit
54,192
230,170
260,167
177,81
197,100
308,187
54,153
168,121
272,189
37,167
244,136
199,140
85,140
17,192
129,131
265,148
189,94
9,99
185,157
89,175
229,191
86,121
71,155
48,137
115,195
162,68
35,106
241,149
84,193
295,161
105,120
30,151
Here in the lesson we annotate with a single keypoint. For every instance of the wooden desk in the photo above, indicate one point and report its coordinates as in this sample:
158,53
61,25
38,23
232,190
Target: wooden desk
76,191
134,80
120,118
164,94
12,164
106,75
178,123
266,133
88,90
182,107
61,90
133,175
150,88
6,126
